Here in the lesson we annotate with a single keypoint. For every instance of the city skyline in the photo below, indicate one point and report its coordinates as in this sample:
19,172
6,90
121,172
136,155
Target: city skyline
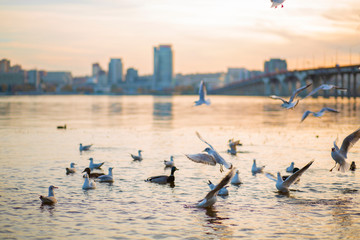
206,36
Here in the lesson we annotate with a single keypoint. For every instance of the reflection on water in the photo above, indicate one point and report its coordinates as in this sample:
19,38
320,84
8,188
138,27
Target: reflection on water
34,155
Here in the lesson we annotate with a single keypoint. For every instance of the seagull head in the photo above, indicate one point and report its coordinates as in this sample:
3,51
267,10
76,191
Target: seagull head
207,150
333,149
52,187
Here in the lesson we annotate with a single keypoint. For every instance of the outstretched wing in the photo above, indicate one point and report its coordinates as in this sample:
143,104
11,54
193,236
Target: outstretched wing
305,115
349,141
329,110
202,91
202,158
221,184
297,91
220,159
204,140
296,175
271,176
276,97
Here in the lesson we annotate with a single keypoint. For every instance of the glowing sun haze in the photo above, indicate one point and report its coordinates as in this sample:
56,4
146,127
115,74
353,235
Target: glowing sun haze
206,36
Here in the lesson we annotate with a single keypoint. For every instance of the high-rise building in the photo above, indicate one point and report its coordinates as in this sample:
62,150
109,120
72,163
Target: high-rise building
163,67
236,74
115,74
131,75
33,77
96,69
4,65
275,65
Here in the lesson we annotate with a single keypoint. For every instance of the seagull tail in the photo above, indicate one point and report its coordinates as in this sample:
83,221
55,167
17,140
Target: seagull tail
344,166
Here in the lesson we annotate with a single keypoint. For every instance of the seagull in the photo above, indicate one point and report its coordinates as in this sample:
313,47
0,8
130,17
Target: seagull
92,174
318,114
210,198
202,95
290,168
236,179
255,169
212,157
106,178
283,185
137,158
71,169
290,104
84,148
222,192
163,179
232,145
276,3
93,165
325,87
340,155
169,163
50,199
88,184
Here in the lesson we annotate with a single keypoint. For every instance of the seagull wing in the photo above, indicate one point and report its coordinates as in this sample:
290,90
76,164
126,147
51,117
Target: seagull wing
335,146
349,141
305,115
204,140
202,91
221,160
297,91
271,176
277,97
221,184
296,175
202,158
329,110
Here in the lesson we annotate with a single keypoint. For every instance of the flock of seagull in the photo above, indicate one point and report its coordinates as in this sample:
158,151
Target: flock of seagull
210,156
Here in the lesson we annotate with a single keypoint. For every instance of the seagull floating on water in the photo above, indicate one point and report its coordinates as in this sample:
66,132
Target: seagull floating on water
340,155
283,186
291,167
325,87
93,165
92,174
236,179
255,169
88,184
210,199
169,163
85,147
71,169
318,114
212,157
232,145
106,178
293,171
137,158
222,192
163,179
202,95
291,104
50,199
276,3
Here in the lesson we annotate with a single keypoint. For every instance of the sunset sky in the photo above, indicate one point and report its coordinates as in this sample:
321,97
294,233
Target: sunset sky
206,36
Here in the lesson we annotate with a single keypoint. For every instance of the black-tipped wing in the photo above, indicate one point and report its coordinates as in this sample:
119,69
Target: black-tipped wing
221,184
296,175
276,97
202,158
329,110
297,91
349,141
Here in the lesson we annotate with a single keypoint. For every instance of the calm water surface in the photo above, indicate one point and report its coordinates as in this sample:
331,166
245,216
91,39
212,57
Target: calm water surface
34,155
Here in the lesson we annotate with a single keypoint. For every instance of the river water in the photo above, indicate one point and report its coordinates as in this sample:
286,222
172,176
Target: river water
34,155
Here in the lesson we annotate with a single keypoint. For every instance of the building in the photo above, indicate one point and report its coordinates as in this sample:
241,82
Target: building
236,74
96,68
131,75
58,78
4,65
115,74
33,78
163,67
275,65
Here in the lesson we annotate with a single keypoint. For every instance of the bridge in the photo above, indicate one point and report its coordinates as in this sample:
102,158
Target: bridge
284,83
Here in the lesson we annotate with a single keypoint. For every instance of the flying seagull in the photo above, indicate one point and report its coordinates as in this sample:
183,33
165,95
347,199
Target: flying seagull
283,185
325,87
290,104
212,157
318,114
210,198
340,155
276,3
202,95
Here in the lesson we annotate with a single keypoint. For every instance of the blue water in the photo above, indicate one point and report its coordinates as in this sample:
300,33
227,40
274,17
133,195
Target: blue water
34,155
